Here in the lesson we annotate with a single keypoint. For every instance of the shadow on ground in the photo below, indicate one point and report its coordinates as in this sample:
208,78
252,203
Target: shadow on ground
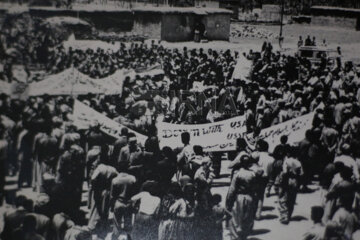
298,218
268,208
268,217
259,231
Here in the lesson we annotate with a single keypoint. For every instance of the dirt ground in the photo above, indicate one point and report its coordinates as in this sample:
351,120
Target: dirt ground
347,39
268,228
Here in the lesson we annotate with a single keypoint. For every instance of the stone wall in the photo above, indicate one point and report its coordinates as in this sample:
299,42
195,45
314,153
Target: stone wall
177,27
147,24
270,13
217,26
334,16
349,23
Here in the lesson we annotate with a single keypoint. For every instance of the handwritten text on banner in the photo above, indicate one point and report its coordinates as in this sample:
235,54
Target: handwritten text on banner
221,136
211,136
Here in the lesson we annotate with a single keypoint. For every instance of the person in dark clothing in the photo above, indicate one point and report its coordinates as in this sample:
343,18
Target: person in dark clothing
25,158
317,231
317,161
218,215
100,187
240,200
304,158
241,149
43,224
118,145
279,153
166,167
8,69
166,219
308,41
70,176
14,218
27,230
342,193
122,189
4,145
200,31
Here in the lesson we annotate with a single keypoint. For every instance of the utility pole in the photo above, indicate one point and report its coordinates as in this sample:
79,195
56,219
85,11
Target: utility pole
281,38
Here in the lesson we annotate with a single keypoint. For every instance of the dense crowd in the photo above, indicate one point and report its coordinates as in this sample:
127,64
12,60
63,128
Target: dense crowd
156,193
27,41
186,64
167,190
100,63
283,87
153,95
262,100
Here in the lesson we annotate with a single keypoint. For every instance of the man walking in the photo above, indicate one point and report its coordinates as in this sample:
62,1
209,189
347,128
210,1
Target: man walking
122,189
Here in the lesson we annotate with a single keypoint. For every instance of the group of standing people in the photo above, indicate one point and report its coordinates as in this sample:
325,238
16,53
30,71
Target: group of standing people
152,193
253,174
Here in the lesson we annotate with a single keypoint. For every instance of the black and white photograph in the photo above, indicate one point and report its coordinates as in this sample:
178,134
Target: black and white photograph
179,120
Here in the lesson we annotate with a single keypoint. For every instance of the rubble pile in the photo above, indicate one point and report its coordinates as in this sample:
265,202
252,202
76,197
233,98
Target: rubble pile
113,36
245,31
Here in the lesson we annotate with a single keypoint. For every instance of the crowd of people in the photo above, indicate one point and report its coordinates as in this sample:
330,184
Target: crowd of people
165,193
122,178
153,95
27,41
101,63
168,190
186,64
284,87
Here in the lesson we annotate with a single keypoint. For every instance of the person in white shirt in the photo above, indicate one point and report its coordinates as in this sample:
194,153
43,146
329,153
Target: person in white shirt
145,224
348,160
185,156
289,185
266,165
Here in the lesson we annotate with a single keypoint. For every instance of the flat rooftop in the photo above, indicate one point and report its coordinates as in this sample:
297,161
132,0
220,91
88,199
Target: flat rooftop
114,8
328,8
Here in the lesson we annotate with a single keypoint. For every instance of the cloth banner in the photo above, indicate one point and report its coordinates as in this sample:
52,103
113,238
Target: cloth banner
68,82
211,136
73,82
84,116
221,136
295,130
113,84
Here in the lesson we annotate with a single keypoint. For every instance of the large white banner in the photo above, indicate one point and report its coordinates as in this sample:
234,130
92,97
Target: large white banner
218,136
295,130
72,82
221,136
211,136
84,116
